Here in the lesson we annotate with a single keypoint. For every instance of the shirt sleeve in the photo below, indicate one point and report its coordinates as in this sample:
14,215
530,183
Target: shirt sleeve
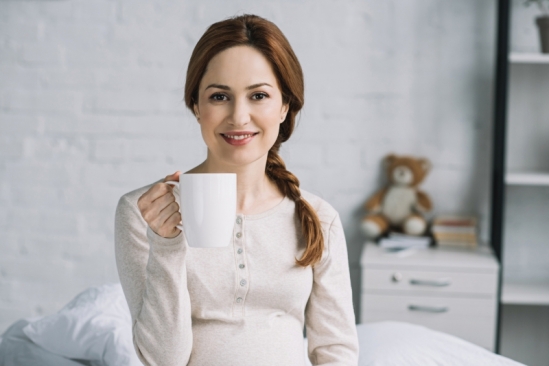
153,276
329,315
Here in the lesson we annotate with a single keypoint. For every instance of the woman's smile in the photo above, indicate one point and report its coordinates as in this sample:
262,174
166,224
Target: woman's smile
238,138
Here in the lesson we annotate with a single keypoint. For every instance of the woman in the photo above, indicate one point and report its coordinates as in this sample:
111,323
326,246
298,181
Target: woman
287,266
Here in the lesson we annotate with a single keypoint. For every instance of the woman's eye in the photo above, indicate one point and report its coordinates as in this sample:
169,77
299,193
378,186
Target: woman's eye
217,97
260,96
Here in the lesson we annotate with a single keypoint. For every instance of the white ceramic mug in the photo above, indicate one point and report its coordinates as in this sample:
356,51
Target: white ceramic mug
207,203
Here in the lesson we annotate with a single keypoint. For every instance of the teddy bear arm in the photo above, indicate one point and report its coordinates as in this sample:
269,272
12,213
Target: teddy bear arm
374,203
423,202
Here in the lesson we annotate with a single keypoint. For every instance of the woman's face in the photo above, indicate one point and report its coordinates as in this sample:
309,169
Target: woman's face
239,106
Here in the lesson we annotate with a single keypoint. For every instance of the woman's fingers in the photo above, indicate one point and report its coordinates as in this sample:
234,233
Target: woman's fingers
156,191
173,221
169,228
159,208
173,177
163,224
165,214
160,204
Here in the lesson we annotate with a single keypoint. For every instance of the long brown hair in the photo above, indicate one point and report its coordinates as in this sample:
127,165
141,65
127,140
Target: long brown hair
266,37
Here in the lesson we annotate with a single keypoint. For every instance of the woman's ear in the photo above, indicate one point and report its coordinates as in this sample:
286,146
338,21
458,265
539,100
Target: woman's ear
284,112
195,108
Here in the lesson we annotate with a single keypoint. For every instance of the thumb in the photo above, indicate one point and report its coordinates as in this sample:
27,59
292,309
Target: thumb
176,175
173,177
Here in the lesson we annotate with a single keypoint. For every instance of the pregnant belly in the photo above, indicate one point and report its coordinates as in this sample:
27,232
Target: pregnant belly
256,341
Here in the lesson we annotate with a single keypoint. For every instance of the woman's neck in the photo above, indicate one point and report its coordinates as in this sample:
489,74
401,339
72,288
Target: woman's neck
255,192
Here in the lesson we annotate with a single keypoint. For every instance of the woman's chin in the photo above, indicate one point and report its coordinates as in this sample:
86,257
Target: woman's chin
237,159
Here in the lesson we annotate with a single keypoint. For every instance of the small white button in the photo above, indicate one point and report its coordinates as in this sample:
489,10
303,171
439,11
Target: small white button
241,266
239,251
243,282
239,221
238,235
239,299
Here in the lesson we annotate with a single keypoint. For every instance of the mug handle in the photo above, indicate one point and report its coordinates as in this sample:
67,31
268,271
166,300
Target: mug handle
176,185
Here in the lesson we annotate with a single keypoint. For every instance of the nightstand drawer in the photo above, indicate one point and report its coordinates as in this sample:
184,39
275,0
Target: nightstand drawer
428,306
429,281
468,318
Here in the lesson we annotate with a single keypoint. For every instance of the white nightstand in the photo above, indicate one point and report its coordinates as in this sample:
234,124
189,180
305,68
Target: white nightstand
447,289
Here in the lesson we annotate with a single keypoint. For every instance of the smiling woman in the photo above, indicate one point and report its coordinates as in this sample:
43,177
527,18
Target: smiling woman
286,267
235,110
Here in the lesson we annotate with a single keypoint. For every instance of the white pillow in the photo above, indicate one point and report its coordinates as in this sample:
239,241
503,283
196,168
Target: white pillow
95,326
17,349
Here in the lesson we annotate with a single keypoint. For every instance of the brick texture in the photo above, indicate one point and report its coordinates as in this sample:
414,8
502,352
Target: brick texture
91,107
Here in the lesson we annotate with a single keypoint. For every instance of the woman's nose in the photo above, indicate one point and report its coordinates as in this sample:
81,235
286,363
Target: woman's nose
240,115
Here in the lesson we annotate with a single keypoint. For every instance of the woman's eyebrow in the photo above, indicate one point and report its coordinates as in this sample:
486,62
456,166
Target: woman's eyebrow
219,86
225,87
257,86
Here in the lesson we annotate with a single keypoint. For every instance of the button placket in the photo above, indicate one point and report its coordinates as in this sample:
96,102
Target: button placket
241,272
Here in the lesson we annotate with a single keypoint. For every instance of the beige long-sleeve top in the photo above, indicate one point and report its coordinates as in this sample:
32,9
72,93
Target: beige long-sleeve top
244,304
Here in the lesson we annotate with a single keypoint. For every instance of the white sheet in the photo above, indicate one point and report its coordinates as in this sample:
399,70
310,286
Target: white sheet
404,344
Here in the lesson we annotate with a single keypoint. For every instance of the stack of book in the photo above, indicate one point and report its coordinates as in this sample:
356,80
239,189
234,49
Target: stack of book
450,230
402,241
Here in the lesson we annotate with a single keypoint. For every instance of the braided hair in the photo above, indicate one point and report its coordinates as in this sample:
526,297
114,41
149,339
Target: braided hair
266,37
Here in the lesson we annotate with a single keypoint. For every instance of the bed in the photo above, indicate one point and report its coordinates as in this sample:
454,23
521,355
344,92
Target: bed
94,329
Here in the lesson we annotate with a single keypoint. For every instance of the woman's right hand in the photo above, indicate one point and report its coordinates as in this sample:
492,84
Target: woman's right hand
159,208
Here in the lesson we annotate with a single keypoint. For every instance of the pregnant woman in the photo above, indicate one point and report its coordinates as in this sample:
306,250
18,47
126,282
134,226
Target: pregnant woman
286,267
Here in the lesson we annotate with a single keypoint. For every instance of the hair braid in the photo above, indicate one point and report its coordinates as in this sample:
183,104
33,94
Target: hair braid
288,184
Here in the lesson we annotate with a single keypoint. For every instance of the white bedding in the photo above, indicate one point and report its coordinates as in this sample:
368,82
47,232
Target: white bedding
381,344
403,344
16,349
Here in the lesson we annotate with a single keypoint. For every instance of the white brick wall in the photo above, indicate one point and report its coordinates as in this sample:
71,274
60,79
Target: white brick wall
91,107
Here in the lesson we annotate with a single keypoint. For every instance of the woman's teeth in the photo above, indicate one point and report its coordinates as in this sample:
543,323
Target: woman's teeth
238,137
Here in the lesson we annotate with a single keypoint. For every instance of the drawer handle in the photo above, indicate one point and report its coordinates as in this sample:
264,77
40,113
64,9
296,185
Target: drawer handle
428,309
442,282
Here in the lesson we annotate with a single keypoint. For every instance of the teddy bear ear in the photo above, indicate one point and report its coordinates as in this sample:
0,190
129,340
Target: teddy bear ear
389,160
425,164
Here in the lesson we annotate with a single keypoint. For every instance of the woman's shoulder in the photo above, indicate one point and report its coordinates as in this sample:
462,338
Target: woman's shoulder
325,211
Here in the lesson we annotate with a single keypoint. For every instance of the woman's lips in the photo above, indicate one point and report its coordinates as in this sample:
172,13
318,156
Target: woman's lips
237,140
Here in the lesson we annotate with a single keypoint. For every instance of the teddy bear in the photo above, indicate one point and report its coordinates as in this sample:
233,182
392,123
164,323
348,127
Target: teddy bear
400,205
